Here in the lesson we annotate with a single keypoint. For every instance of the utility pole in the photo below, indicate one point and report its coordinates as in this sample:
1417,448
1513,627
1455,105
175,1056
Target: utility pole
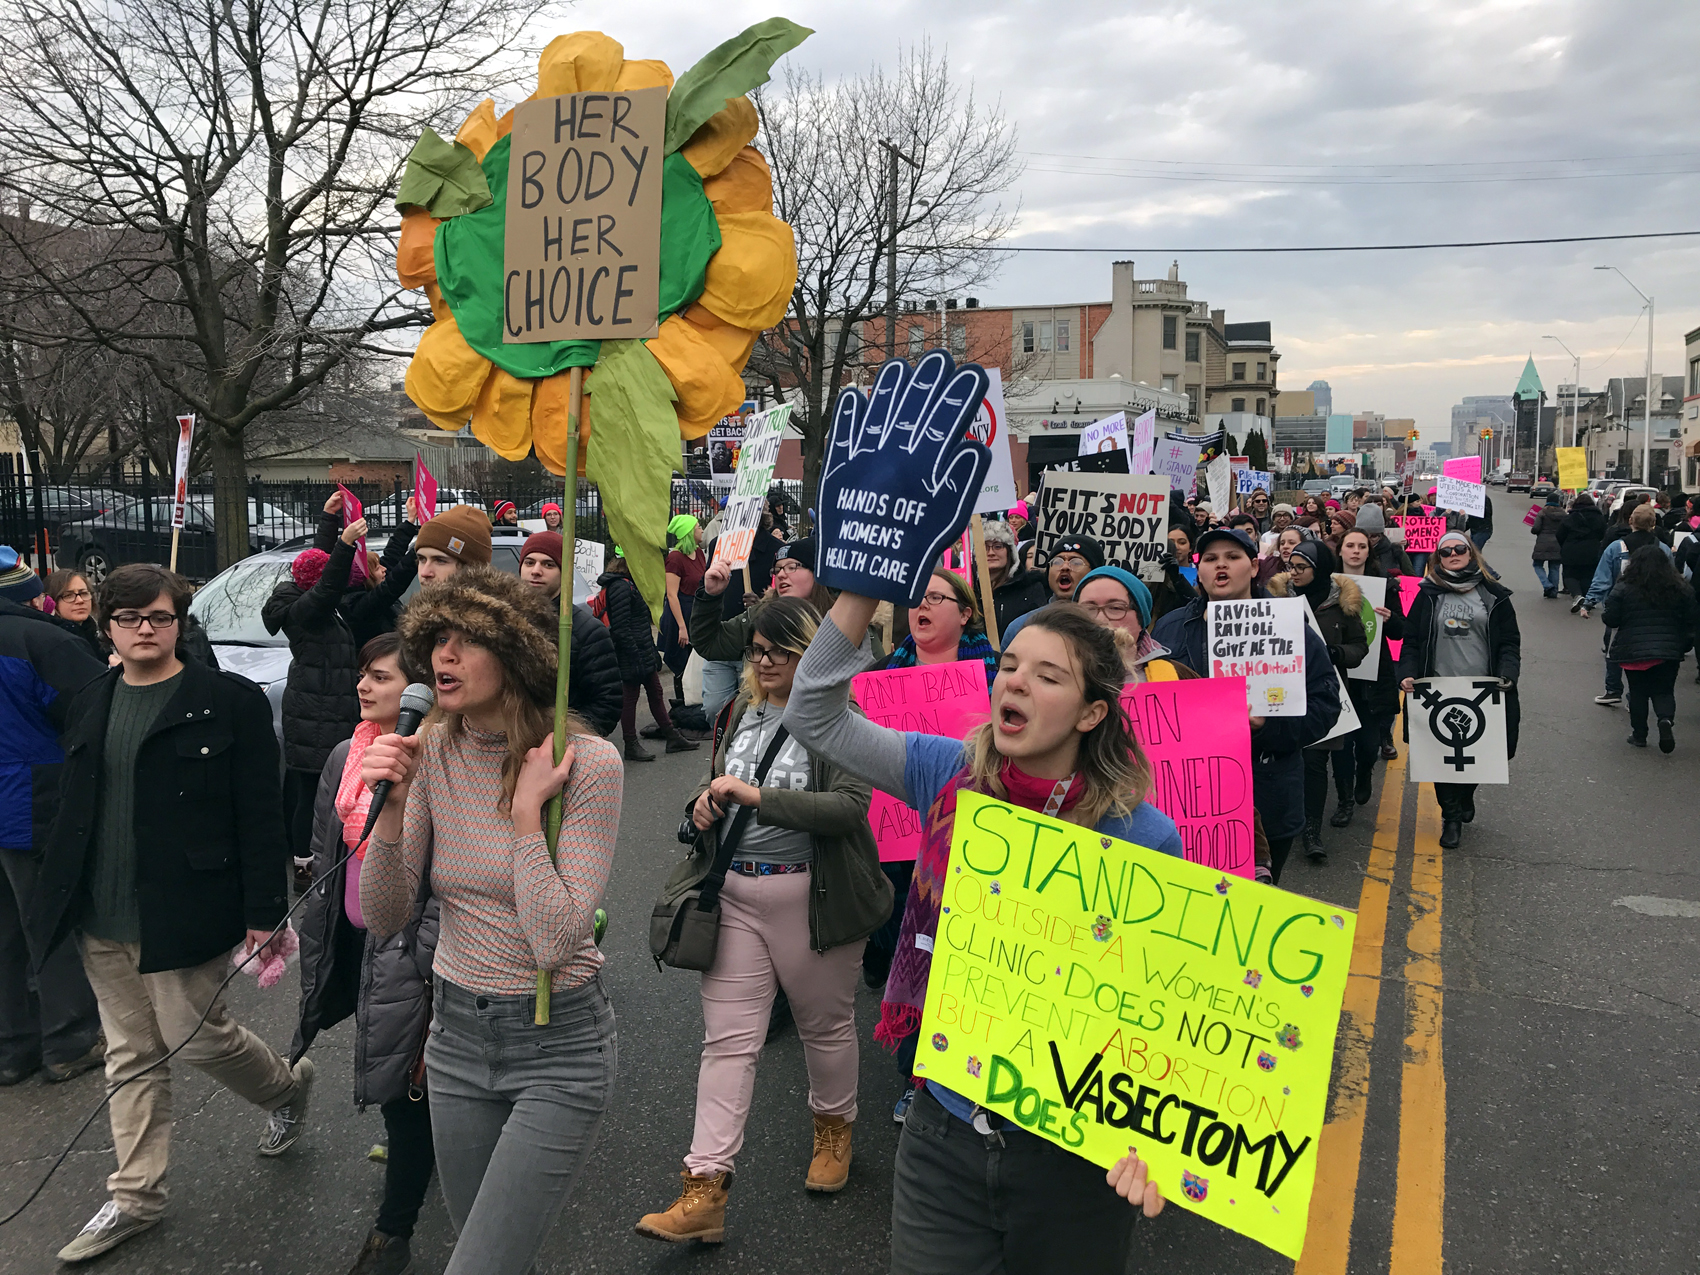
1575,386
892,155
1647,407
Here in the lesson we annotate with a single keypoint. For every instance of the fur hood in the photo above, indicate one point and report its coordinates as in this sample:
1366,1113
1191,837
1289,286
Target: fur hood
511,620
1351,597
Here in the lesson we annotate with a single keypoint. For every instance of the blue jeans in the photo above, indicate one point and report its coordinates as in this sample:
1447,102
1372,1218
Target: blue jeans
719,684
1480,539
1550,574
515,1110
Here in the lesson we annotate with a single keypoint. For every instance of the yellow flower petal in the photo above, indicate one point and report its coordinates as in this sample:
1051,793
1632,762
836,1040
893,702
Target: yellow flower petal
583,62
445,376
707,386
726,133
479,133
649,74
415,260
439,307
750,279
549,423
744,185
501,419
730,343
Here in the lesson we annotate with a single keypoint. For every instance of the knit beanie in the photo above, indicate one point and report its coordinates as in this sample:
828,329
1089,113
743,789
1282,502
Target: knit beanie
463,533
504,507
17,582
680,528
308,566
802,551
547,542
1137,593
1352,520
1371,520
1019,510
511,620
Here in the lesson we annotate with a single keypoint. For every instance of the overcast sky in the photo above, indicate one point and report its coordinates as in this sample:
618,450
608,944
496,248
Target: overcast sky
1303,122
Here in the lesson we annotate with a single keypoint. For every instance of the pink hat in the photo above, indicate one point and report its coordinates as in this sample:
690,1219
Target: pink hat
1019,510
308,566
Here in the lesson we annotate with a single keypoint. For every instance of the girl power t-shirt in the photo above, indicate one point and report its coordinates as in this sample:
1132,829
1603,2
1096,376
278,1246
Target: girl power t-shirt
790,769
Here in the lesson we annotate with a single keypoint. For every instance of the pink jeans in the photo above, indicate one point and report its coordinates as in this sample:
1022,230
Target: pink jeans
764,940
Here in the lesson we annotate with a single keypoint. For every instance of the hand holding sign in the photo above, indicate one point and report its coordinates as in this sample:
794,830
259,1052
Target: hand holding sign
902,474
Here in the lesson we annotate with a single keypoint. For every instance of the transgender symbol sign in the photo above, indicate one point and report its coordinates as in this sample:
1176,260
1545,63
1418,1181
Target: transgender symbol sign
1457,731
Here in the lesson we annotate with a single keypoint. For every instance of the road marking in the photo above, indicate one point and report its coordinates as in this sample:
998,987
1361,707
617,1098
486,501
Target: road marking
1653,905
1419,1207
1339,1151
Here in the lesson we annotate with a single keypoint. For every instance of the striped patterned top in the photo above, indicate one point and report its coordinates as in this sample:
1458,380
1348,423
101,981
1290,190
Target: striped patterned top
506,911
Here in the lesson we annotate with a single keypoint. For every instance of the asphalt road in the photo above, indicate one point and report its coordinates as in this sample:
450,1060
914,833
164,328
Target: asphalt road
1514,1086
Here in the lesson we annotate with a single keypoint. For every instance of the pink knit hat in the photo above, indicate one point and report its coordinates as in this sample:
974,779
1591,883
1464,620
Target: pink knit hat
1019,510
308,566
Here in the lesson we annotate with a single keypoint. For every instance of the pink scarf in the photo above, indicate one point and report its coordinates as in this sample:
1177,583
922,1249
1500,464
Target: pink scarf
353,798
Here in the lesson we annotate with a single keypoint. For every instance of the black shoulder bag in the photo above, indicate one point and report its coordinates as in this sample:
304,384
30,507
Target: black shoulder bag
685,931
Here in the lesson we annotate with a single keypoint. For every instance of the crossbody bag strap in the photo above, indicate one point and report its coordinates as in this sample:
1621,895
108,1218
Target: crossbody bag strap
716,878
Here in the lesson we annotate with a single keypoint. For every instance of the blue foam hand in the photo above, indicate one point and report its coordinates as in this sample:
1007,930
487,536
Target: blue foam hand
901,477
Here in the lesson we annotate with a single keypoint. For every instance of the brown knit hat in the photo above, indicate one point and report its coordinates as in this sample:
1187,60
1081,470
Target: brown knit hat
512,621
463,533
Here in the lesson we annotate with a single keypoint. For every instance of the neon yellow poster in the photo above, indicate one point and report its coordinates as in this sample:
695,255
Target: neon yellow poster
1108,997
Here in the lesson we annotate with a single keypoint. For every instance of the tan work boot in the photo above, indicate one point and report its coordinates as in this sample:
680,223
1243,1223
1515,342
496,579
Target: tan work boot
698,1214
830,1169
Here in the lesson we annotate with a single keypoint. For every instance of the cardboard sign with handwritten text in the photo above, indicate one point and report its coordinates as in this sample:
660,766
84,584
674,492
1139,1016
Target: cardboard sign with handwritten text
1261,640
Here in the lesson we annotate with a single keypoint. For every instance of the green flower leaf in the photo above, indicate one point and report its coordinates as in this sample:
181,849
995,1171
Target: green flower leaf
728,71
443,178
634,451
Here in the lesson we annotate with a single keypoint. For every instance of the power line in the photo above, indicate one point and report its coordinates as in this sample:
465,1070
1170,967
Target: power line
1238,165
1373,247
1359,181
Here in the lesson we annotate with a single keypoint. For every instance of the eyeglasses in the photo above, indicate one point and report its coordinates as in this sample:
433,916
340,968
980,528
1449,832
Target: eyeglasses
772,656
1108,610
74,595
787,567
133,619
937,599
1073,561
1452,551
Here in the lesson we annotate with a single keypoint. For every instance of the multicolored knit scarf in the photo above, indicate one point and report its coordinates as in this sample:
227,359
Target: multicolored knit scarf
906,985
972,645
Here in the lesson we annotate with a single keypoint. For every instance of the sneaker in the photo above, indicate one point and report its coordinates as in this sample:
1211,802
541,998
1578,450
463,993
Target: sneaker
105,1231
1577,605
59,1073
1667,739
287,1123
1608,699
383,1255
900,1112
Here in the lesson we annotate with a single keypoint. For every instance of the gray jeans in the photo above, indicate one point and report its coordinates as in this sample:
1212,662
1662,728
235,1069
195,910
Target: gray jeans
515,1110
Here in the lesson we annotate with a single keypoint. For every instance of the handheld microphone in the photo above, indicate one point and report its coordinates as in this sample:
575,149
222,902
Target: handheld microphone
416,701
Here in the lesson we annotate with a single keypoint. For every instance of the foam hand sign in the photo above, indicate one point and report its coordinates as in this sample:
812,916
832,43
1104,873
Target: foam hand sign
901,477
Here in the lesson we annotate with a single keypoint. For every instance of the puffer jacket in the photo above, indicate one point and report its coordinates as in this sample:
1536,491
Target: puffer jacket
1339,619
1545,529
385,984
1646,630
1581,537
849,897
593,679
320,708
629,626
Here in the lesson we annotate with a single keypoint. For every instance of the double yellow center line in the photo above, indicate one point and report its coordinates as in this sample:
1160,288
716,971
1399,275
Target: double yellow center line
1418,1214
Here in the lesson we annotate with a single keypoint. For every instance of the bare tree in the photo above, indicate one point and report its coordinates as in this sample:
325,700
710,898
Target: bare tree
830,183
229,166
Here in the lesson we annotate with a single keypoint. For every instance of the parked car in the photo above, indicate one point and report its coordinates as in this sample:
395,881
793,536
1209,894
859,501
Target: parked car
1519,481
1316,487
228,607
95,545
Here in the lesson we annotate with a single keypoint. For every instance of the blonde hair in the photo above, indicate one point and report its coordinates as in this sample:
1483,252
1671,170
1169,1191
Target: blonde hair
1643,517
1111,761
789,624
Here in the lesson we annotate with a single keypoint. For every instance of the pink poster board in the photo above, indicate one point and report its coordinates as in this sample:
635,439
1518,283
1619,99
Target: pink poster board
1408,586
1197,736
934,699
1422,534
1469,468
352,511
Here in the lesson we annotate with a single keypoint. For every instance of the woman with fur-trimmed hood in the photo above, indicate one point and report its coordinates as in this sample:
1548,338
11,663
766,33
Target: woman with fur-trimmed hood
1336,602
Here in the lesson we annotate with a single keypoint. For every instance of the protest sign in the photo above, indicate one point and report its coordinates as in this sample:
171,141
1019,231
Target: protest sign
1457,731
990,426
1197,739
934,699
1374,589
1098,463
1128,514
1421,534
583,230
1455,493
1177,460
1572,468
424,490
352,511
180,486
588,558
1102,995
1250,480
725,439
1465,468
1262,640
1143,442
1408,587
1346,720
1529,517
1219,474
1107,435
756,459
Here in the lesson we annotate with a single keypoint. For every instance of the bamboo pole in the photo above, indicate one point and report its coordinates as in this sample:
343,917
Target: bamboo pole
977,528
563,667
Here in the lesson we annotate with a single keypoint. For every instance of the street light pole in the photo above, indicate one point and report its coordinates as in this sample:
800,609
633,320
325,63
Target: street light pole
1575,386
892,155
1647,412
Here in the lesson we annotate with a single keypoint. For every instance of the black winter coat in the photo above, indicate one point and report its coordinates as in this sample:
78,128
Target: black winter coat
593,680
320,709
629,626
1278,785
384,983
210,844
1022,592
371,612
1379,699
1647,630
1505,645
1581,538
1340,621
1545,529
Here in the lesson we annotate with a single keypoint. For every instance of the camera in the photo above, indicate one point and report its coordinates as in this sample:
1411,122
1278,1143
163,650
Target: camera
687,833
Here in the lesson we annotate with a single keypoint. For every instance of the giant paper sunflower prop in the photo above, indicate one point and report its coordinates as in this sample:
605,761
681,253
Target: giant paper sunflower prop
728,266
